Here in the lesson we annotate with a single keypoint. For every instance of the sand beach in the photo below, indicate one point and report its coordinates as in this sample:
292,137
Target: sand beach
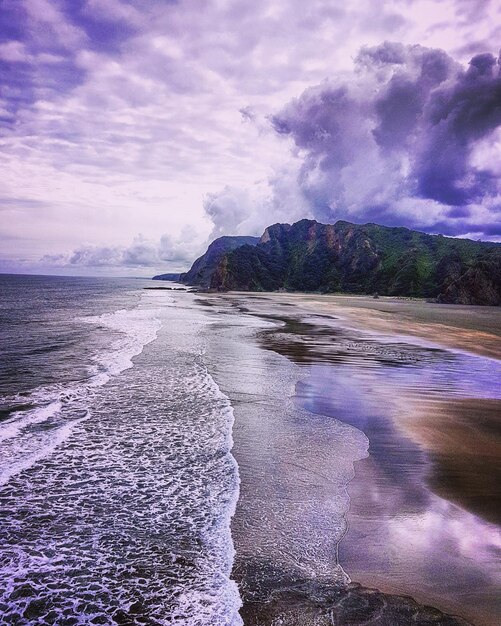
368,481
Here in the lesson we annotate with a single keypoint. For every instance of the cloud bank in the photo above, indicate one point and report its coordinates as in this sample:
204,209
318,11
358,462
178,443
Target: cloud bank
402,141
121,117
142,256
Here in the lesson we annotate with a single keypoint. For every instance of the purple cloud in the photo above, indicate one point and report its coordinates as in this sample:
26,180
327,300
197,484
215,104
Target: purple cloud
395,143
141,254
455,118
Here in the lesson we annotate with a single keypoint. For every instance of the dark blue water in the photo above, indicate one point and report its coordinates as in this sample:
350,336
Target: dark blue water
116,478
42,337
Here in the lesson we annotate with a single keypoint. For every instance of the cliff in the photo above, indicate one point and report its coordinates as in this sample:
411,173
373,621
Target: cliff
352,258
203,268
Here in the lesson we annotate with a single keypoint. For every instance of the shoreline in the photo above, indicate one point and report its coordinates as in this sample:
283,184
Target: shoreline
475,329
306,338
311,604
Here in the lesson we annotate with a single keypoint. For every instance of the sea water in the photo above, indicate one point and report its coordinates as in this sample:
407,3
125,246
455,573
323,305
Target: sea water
121,501
117,483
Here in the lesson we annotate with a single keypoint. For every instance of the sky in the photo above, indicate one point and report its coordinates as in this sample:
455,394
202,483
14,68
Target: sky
133,132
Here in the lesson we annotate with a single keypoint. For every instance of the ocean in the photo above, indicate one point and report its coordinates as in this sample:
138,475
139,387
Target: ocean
117,479
168,458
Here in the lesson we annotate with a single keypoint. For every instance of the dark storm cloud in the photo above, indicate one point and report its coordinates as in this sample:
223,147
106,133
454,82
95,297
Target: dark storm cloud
455,118
403,129
399,106
473,230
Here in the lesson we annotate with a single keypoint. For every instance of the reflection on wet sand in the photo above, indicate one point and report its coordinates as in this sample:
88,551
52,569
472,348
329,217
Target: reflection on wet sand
472,328
432,419
402,537
463,437
293,466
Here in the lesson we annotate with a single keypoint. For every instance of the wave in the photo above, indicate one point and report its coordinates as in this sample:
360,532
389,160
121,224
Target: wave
212,597
154,484
53,411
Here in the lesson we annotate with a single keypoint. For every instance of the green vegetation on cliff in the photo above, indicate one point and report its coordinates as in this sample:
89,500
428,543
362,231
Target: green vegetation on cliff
309,256
202,269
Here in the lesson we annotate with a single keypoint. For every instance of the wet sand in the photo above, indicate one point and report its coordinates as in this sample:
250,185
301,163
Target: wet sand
463,437
314,604
421,520
472,328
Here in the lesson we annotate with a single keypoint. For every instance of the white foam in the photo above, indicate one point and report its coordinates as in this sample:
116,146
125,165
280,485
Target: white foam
233,599
28,461
21,419
156,458
30,435
138,327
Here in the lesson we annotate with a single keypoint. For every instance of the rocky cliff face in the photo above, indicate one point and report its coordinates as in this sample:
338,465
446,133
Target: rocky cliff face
202,269
479,284
309,256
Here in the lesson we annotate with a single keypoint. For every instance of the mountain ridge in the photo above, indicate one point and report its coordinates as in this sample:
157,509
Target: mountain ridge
364,258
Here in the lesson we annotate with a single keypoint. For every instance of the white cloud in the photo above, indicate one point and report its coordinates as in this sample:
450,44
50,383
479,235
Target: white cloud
14,51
